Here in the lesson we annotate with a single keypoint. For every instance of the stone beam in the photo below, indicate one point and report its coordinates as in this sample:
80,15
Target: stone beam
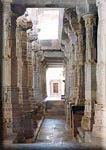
51,3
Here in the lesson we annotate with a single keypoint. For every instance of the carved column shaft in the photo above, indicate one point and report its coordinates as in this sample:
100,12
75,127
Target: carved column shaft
99,128
76,71
43,80
37,76
7,104
24,74
90,73
10,69
80,66
30,68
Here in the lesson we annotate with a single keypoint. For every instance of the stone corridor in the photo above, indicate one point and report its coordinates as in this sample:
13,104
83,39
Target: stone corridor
54,128
36,36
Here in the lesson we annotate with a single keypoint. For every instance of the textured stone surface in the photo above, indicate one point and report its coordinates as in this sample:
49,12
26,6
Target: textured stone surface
24,65
54,129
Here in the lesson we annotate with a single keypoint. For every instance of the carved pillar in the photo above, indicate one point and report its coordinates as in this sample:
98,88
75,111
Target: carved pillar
1,60
80,67
69,51
10,88
90,73
37,71
32,38
7,103
76,72
20,63
99,128
73,68
43,80
19,31
24,25
30,68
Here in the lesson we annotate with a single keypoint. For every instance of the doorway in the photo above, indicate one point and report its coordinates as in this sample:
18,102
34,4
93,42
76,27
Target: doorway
54,82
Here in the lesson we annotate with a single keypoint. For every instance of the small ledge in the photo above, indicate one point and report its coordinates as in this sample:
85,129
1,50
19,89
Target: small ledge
37,130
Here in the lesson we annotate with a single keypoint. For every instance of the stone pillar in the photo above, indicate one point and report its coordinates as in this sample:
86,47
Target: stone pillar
6,80
30,69
90,73
99,128
80,68
69,51
25,78
19,31
10,89
37,76
76,72
43,80
73,67
1,60
20,63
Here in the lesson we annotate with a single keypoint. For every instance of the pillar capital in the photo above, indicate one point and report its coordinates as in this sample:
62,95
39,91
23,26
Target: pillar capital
99,2
23,23
90,19
32,36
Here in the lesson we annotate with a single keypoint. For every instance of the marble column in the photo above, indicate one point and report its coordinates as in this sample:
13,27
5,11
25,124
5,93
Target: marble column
19,31
20,63
37,72
99,128
76,72
10,88
80,67
73,67
6,73
1,48
43,80
25,79
90,73
30,68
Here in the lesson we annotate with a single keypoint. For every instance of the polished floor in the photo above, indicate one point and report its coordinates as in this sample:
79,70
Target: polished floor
54,128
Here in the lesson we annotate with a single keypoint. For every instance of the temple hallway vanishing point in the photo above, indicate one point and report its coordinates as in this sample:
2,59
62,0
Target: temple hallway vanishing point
68,105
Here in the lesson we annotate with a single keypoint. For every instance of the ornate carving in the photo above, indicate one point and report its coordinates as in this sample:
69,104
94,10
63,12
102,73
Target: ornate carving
32,36
23,23
90,20
98,2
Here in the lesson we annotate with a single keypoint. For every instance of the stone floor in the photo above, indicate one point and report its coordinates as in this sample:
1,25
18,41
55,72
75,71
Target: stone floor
54,128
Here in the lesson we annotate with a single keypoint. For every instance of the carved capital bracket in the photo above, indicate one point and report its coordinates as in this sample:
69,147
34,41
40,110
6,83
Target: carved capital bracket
23,23
90,19
99,2
32,36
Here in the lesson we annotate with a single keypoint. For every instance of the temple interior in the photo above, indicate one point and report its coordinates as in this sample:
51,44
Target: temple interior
53,63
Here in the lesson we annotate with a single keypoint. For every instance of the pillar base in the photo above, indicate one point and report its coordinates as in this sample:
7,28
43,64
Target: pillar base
86,123
28,126
88,118
99,128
